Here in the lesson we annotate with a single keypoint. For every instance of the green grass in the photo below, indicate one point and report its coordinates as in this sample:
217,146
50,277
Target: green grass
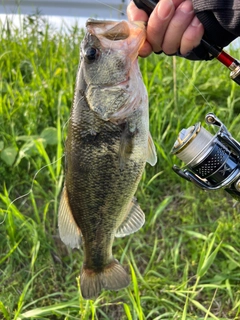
184,262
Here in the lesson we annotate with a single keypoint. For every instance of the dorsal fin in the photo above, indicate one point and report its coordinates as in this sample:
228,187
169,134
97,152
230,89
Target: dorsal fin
134,220
151,154
69,231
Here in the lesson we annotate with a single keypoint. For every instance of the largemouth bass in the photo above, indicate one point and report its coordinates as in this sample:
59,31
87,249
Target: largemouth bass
106,150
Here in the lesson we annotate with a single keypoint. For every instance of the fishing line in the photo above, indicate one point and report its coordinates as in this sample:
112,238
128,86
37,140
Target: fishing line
35,176
31,188
195,87
111,7
64,125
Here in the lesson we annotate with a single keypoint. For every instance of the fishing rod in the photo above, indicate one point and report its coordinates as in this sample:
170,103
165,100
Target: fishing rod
227,60
210,162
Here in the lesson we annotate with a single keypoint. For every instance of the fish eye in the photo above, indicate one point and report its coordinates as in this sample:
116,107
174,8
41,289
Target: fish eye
91,54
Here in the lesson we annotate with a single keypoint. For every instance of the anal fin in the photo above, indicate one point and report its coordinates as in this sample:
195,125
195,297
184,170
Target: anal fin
134,220
69,231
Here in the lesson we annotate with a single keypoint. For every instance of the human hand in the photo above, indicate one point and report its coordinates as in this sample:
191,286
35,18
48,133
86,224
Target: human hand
171,26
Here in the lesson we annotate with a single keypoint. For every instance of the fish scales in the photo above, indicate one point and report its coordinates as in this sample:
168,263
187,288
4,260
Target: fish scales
106,150
99,174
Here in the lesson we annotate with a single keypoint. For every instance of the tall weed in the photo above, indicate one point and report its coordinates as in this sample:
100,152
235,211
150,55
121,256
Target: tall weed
184,262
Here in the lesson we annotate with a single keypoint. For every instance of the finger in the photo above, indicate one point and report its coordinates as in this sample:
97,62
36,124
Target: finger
135,14
192,36
177,26
177,3
145,50
158,23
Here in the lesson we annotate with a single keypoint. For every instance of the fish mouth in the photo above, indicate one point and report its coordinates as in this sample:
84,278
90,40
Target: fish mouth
111,30
124,35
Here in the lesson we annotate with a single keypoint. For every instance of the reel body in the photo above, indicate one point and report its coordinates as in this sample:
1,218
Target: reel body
211,162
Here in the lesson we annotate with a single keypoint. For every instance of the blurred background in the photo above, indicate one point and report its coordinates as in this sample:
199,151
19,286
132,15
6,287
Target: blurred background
61,12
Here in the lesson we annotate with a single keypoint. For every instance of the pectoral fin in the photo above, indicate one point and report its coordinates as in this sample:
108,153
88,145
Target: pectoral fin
152,154
69,231
126,145
133,222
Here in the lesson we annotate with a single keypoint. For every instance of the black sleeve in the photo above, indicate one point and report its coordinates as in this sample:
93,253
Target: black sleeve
221,21
220,18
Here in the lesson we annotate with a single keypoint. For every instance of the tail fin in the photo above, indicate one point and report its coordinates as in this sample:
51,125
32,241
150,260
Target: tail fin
112,277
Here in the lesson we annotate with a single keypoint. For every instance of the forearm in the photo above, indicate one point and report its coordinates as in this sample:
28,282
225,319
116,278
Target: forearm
176,27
